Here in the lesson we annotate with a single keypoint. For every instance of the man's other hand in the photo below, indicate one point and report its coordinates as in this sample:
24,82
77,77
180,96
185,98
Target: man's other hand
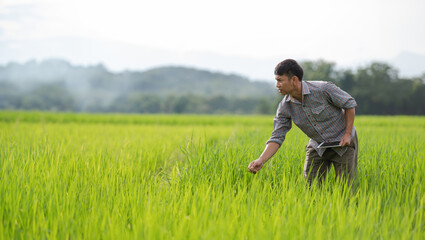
345,140
255,166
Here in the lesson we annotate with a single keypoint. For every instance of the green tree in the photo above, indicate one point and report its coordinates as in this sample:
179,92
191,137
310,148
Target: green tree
49,96
319,70
375,89
9,95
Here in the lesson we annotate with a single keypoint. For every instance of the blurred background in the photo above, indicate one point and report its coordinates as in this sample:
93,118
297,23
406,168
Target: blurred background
212,57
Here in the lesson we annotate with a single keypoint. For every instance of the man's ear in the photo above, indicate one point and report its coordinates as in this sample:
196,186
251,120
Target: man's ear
294,79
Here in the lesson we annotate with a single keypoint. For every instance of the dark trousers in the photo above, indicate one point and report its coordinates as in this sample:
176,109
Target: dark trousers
345,166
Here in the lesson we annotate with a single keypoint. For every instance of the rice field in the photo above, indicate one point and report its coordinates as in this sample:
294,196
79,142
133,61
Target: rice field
87,176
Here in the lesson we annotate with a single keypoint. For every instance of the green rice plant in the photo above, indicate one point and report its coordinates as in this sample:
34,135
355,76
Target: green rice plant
83,176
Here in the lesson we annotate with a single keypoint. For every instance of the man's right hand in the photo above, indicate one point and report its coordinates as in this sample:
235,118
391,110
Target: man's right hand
270,150
255,166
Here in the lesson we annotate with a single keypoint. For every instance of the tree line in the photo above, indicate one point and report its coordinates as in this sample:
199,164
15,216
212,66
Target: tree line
376,87
56,85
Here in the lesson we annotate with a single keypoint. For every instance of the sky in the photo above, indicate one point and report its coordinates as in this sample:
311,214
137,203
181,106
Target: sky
193,32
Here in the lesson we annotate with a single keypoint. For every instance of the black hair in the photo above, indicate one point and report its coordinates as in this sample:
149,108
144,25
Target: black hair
289,67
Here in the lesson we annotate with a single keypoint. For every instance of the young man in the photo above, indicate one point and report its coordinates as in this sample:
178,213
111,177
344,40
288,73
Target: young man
325,113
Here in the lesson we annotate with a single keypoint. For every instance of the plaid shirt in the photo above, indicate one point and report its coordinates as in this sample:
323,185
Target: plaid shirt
320,115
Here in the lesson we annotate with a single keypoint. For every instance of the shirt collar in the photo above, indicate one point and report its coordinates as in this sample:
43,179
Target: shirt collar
305,89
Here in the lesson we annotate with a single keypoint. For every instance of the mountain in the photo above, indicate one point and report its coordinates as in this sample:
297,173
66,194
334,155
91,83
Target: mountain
56,84
169,80
409,64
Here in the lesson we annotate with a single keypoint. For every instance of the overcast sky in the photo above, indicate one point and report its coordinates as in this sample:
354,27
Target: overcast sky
341,31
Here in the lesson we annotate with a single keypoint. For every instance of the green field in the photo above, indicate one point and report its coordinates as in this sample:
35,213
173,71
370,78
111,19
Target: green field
185,177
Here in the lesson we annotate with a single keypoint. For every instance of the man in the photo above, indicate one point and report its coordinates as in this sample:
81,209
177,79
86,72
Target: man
325,113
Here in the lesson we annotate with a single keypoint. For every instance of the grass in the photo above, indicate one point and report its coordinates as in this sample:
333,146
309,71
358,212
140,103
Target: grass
84,176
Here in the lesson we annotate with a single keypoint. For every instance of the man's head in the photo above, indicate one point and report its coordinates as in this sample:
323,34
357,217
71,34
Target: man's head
288,75
290,68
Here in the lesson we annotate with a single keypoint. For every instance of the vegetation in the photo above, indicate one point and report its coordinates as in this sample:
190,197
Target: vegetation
185,177
56,85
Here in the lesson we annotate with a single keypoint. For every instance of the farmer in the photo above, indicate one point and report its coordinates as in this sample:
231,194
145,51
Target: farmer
325,113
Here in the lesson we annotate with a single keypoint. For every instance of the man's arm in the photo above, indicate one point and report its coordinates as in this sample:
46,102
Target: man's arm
349,122
269,151
282,124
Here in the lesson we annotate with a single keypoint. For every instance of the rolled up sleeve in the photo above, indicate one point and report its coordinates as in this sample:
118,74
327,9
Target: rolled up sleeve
282,124
339,97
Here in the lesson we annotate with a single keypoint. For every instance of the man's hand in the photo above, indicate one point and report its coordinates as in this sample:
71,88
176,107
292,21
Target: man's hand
270,150
345,140
255,166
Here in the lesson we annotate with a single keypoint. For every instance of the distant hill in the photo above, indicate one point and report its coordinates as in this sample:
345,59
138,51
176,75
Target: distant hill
409,64
182,80
169,80
57,85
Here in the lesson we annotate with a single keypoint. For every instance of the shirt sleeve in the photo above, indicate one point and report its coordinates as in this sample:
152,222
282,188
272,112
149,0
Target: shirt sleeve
339,97
282,124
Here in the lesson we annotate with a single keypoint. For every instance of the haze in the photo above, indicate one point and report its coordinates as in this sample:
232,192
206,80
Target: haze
244,37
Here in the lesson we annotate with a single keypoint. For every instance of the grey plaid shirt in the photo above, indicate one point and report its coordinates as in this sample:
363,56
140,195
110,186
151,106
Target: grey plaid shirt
320,115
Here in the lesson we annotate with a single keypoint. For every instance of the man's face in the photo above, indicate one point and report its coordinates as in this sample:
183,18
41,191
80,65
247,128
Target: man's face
284,84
